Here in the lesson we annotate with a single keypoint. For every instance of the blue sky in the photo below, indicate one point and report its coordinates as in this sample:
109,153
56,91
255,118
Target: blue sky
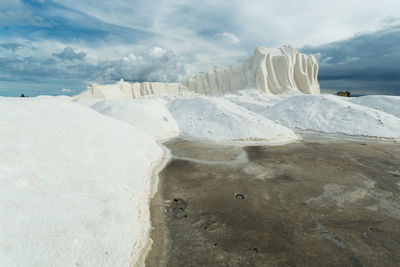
58,47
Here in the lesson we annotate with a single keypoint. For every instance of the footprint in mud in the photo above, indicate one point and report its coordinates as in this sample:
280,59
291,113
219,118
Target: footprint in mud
239,196
255,250
395,173
177,208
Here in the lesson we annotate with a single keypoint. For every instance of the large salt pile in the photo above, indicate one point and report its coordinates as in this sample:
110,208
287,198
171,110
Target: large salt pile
86,102
272,71
388,104
253,100
149,115
74,185
124,89
332,114
216,119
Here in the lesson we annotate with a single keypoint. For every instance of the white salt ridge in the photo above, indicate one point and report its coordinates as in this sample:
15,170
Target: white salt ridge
124,89
61,98
388,104
272,71
86,102
148,115
218,120
253,100
332,114
74,186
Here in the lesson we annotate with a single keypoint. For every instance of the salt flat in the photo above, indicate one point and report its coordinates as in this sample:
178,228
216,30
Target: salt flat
330,203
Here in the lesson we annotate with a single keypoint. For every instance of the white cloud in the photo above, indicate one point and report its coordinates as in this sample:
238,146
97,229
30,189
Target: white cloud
130,58
13,12
318,56
310,21
352,59
155,64
16,12
268,22
389,21
230,37
65,90
326,59
157,52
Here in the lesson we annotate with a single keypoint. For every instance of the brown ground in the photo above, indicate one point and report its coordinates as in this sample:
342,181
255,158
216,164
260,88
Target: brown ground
303,204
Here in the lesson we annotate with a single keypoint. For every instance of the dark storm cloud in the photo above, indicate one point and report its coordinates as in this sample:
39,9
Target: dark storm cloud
365,61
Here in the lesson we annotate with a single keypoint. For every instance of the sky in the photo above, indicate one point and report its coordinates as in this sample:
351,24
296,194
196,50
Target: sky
60,46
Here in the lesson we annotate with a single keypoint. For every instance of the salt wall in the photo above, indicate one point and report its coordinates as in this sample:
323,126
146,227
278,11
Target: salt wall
123,89
274,71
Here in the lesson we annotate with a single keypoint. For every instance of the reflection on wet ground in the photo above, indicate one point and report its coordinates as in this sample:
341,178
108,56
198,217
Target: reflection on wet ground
303,204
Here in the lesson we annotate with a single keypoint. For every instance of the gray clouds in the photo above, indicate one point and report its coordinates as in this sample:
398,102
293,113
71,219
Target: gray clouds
69,54
365,61
10,46
156,64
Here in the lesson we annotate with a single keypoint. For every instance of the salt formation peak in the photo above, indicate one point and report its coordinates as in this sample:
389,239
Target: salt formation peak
270,70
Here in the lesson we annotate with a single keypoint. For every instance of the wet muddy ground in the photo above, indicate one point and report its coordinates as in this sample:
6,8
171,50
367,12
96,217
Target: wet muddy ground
303,204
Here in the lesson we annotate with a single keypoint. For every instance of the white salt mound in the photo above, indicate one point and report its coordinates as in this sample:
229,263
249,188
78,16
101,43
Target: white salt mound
86,102
216,119
388,104
74,186
253,100
332,114
61,98
148,115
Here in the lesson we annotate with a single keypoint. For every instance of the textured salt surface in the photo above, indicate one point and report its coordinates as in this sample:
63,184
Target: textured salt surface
74,185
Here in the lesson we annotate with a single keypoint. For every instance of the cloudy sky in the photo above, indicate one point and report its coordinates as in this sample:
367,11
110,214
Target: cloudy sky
59,46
